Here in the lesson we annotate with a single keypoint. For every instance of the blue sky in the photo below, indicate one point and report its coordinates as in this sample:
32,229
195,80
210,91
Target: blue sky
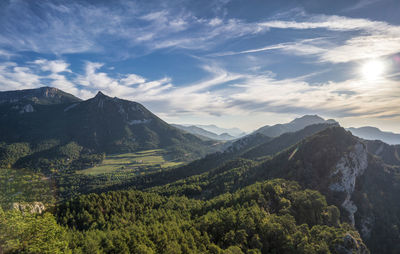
236,63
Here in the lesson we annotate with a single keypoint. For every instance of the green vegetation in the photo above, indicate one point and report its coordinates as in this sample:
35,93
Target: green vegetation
269,217
48,156
24,186
23,232
139,162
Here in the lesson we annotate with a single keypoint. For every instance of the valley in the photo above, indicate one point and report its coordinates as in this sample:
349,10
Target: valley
140,162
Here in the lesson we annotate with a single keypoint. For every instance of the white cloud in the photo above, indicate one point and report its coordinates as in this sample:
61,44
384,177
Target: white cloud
303,47
244,95
14,77
5,54
335,23
133,79
368,39
215,22
55,66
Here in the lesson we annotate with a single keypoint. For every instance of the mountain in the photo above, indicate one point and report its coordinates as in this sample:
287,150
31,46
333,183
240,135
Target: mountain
255,147
332,161
52,120
235,132
283,142
362,184
204,134
389,154
43,96
295,125
373,133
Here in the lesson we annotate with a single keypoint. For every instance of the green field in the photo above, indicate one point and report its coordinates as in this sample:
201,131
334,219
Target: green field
139,162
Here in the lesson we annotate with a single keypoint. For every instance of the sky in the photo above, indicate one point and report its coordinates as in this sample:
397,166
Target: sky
233,63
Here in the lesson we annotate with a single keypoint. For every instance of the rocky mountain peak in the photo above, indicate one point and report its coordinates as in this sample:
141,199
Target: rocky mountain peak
308,119
100,95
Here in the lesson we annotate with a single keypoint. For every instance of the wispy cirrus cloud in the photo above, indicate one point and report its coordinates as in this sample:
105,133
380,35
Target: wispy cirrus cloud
302,47
75,27
369,39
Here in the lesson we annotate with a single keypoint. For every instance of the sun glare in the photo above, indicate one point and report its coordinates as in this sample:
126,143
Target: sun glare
373,69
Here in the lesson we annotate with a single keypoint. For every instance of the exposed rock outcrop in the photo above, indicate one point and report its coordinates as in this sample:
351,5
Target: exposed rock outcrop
348,168
34,207
27,109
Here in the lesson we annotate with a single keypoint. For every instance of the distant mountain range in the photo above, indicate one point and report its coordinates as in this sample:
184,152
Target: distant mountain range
293,126
234,132
368,132
373,133
202,133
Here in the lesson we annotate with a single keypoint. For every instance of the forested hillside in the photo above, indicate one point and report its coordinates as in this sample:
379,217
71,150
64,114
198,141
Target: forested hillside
48,130
275,216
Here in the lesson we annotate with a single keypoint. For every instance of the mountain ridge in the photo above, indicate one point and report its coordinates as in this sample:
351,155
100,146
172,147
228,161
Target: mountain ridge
195,130
43,95
235,132
97,125
294,125
374,133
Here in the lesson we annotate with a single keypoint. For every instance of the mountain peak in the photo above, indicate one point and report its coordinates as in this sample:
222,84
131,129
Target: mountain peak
42,95
309,118
100,95
373,133
293,126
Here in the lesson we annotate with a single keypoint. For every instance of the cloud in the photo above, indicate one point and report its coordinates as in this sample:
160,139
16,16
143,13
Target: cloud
334,23
76,27
368,39
44,28
126,86
215,22
133,79
302,47
55,66
5,54
222,93
361,4
13,77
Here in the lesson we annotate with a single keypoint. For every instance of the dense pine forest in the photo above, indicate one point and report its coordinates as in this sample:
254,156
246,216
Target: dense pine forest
274,216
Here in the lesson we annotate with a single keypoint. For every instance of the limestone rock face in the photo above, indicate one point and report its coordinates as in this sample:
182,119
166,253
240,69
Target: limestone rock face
34,207
27,109
348,168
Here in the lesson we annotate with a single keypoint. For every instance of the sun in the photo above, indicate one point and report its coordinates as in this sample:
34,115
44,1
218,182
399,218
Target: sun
373,69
